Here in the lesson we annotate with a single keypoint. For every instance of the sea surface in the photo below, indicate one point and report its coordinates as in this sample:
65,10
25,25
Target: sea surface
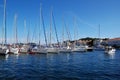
94,65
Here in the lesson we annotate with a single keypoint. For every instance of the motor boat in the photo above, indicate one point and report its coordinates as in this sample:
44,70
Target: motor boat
110,50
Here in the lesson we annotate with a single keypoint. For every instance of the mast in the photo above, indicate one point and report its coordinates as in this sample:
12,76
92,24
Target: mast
24,29
66,30
39,28
55,28
28,34
15,27
50,27
33,36
99,35
4,39
99,31
43,25
63,34
74,29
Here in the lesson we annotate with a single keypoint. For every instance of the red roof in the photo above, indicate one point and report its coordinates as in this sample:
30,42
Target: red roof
114,39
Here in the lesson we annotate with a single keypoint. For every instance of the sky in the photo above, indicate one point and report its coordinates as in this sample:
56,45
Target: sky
81,17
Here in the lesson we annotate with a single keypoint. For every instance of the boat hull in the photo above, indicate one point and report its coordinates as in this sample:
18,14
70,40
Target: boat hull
38,51
4,51
52,50
65,51
14,50
110,51
78,50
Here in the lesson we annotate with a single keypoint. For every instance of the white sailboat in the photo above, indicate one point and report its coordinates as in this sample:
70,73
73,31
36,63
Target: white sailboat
76,47
51,48
4,50
15,48
65,49
24,48
41,49
65,46
37,48
3,47
99,47
80,48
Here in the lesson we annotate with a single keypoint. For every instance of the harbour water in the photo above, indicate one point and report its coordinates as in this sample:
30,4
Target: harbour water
94,65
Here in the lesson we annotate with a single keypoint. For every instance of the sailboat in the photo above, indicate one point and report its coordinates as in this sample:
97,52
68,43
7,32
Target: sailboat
66,49
52,48
99,47
77,47
15,48
80,48
65,46
37,48
41,49
24,47
4,48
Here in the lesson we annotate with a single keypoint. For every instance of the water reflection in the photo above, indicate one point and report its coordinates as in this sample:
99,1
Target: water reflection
65,57
4,57
110,56
51,56
17,56
68,57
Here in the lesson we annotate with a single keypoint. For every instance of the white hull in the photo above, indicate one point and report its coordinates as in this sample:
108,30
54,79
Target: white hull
110,51
39,51
79,49
4,51
52,50
23,51
14,50
65,50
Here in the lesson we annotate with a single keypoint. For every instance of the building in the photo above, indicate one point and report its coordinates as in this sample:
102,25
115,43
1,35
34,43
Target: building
114,42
